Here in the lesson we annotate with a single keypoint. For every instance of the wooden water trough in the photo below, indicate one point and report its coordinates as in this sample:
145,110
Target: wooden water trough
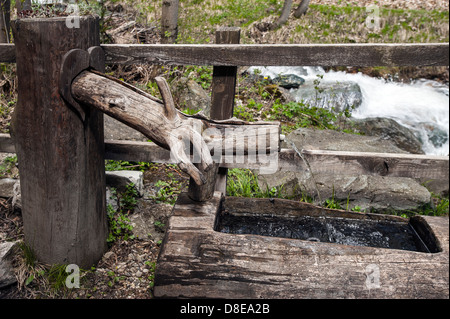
215,246
364,256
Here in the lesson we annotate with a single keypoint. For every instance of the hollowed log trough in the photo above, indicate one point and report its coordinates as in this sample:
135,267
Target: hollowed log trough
339,255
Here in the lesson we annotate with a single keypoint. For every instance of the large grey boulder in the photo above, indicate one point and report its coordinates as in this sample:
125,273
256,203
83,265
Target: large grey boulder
330,140
115,130
120,180
6,187
192,96
376,193
7,276
150,219
338,96
371,193
391,130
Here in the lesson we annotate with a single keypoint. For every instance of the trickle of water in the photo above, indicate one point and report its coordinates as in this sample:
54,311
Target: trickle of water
311,174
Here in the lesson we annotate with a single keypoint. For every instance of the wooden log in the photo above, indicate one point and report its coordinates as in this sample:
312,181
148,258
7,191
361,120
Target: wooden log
363,55
169,21
223,92
196,261
285,12
302,8
202,193
166,126
61,158
359,163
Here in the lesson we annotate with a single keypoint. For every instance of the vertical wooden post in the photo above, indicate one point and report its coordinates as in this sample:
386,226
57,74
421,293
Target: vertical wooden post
5,10
169,21
224,91
61,157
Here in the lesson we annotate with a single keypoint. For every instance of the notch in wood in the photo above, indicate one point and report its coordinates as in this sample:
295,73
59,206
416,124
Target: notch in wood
73,63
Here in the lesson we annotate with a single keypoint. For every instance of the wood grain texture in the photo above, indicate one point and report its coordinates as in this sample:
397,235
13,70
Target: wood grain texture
169,21
358,163
61,158
433,54
347,163
395,54
223,92
197,262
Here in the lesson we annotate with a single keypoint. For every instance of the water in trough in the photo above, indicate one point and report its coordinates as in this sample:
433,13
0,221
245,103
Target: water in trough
337,230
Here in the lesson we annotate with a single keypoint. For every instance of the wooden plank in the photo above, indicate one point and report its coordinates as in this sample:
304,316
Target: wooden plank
197,262
7,53
331,162
396,54
61,157
223,92
358,163
202,193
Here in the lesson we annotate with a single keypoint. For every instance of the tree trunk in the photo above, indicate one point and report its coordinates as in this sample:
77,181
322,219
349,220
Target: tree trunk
169,21
302,8
284,15
61,158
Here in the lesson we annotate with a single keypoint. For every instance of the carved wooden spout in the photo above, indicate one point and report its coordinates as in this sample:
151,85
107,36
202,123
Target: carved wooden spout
161,122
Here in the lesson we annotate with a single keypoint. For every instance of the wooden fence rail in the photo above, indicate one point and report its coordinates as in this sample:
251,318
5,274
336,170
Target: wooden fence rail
397,54
331,162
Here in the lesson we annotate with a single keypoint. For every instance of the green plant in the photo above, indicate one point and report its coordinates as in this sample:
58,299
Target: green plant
159,226
152,269
438,207
57,276
112,165
242,183
167,191
128,199
6,168
119,224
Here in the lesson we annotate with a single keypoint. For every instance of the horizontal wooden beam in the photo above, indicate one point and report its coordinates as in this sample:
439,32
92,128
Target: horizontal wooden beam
331,162
364,55
365,163
435,54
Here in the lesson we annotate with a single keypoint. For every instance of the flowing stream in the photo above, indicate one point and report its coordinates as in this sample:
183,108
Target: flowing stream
422,107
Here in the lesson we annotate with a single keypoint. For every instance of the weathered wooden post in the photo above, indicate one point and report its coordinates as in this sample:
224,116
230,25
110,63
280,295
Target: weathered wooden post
224,91
169,21
61,156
